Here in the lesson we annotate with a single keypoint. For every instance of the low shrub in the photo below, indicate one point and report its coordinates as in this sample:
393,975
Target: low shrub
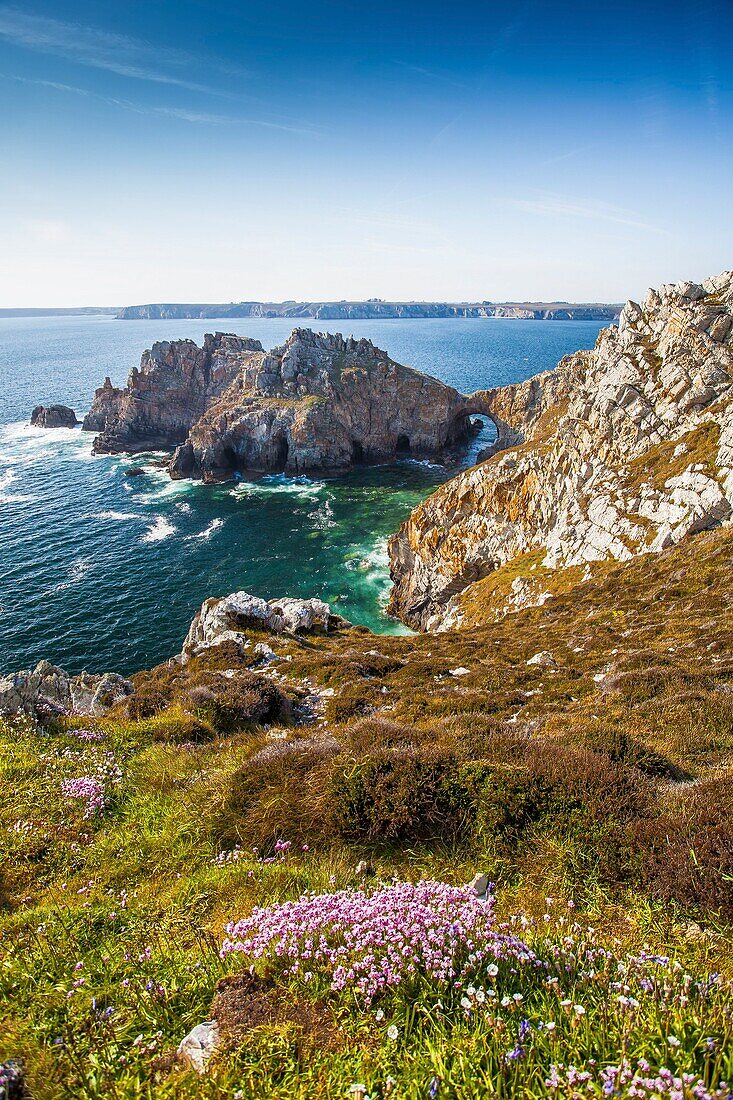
621,748
400,793
275,794
688,851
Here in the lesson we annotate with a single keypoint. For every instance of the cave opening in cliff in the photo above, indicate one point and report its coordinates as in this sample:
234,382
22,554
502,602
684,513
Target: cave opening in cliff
230,459
280,454
357,452
403,445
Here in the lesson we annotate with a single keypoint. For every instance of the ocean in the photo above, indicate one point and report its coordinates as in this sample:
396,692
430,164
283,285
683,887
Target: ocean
101,572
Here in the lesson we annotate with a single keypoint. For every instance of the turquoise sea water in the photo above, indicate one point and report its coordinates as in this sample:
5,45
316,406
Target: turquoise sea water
101,571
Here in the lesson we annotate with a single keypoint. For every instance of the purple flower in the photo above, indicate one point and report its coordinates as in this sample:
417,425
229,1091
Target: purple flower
371,942
89,789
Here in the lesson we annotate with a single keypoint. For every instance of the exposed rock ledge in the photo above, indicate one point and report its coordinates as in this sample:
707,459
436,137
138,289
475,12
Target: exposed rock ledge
621,450
47,692
319,402
230,618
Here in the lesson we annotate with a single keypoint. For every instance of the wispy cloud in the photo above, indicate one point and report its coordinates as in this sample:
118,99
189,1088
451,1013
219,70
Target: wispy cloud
430,74
47,230
182,114
554,206
569,155
99,49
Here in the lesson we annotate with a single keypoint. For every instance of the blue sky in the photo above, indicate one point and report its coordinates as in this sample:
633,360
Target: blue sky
215,151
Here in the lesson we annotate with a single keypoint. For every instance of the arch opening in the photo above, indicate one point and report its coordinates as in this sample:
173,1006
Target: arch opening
231,459
357,452
481,439
403,445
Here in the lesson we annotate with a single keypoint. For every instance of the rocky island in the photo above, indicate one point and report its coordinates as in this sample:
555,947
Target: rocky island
53,416
319,402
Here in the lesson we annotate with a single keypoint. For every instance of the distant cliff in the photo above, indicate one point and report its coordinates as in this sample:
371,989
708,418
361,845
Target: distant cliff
376,308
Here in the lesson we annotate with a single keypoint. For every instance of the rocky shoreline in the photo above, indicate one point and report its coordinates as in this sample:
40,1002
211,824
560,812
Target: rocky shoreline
622,450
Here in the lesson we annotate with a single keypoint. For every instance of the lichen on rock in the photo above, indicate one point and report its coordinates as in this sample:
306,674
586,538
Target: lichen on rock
621,450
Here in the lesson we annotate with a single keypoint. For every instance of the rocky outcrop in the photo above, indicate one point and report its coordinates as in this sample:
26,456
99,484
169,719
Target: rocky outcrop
231,618
53,416
167,394
105,406
622,450
47,691
319,402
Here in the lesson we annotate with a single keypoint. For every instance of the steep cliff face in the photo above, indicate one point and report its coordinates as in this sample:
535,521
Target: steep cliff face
172,388
318,402
622,450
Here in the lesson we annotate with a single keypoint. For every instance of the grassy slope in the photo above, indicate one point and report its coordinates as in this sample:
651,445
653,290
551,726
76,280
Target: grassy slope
603,779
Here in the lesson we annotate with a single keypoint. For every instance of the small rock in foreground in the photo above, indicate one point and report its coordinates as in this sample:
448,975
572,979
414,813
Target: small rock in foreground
199,1045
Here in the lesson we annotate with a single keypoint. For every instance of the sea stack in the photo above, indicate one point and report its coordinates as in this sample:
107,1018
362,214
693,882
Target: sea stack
53,416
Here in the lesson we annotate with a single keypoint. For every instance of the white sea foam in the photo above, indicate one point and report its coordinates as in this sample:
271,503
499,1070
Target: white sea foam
6,480
422,462
22,444
277,483
207,531
169,488
117,515
322,518
159,530
79,569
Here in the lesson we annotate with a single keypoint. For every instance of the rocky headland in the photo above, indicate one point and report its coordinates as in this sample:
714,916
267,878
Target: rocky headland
622,450
318,402
562,727
377,308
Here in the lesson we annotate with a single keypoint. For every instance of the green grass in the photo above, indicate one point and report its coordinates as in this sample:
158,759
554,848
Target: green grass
613,794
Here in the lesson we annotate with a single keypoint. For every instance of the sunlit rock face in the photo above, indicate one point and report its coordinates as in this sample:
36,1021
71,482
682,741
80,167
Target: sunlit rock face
621,450
319,402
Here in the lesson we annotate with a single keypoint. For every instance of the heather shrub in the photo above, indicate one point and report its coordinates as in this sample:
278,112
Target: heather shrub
622,748
687,852
147,701
246,700
276,793
580,779
367,734
354,700
400,793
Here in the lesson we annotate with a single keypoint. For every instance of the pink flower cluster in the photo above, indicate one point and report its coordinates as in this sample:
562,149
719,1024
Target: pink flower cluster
371,942
89,788
639,1083
86,735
